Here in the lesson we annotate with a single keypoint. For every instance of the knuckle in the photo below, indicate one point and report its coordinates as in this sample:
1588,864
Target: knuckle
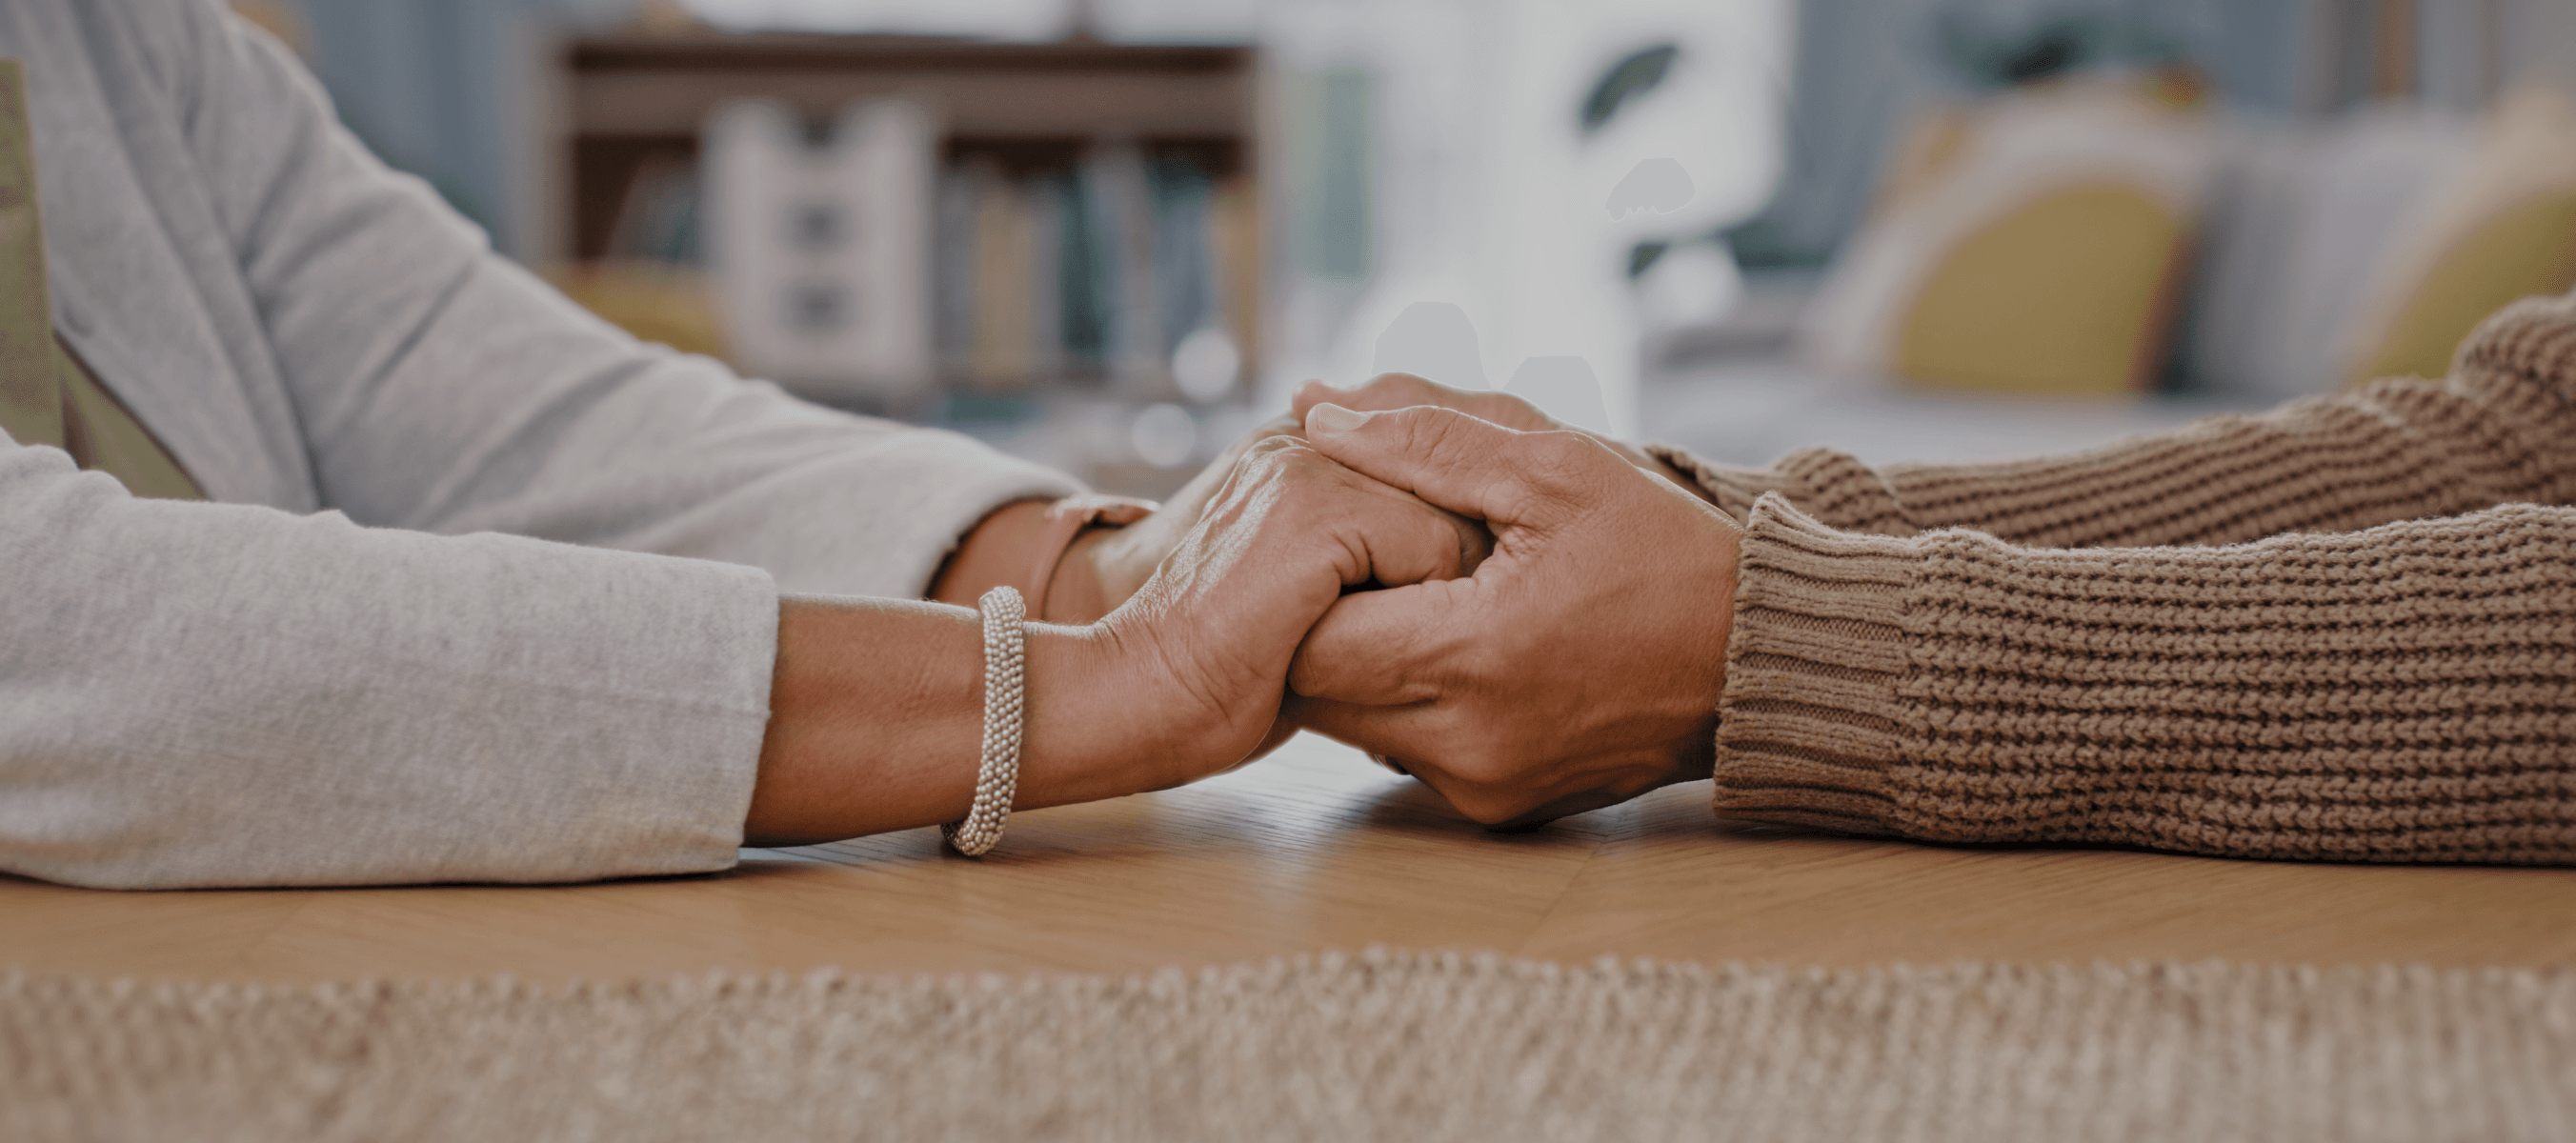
1396,384
1309,487
1563,450
1279,461
1557,464
1513,411
1430,430
1272,446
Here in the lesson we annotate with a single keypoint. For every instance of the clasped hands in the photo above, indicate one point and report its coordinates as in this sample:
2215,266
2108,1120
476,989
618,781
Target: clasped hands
1530,619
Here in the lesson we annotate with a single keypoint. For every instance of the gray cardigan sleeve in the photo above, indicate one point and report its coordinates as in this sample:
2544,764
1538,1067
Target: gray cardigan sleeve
388,691
442,388
219,694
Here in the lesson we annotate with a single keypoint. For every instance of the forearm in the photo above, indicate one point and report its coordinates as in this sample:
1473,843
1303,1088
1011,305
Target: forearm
874,720
2402,694
2492,433
877,719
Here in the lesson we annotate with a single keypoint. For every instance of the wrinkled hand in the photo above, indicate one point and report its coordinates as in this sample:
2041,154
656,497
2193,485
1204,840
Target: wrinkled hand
1580,665
876,706
1389,391
1105,565
1112,563
1186,678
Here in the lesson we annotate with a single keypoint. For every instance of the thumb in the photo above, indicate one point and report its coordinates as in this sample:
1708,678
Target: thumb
1455,461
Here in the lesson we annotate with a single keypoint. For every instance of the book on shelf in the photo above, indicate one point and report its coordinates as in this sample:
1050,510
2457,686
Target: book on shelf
1093,274
863,270
821,256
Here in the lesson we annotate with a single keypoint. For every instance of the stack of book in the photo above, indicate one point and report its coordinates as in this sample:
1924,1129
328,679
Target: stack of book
866,271
1108,273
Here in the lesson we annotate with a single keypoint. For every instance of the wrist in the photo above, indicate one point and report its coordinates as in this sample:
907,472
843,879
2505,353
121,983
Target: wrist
1050,550
1077,594
1080,738
996,552
875,717
1664,468
1075,544
877,714
1710,649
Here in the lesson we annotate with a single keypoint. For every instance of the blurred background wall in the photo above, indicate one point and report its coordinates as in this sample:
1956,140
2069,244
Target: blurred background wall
1744,224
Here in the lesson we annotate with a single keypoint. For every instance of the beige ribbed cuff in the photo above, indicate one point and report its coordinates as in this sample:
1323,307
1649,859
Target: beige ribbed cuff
1831,486
1732,488
1811,720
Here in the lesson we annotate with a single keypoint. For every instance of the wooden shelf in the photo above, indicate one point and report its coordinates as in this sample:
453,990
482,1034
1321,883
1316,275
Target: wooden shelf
632,101
659,86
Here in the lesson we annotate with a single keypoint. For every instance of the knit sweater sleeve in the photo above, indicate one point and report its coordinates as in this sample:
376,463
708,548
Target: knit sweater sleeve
2402,693
2493,432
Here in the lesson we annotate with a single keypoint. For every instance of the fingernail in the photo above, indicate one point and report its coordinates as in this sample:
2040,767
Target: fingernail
1329,418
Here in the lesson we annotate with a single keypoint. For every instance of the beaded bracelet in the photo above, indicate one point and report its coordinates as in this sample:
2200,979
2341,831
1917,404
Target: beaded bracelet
997,778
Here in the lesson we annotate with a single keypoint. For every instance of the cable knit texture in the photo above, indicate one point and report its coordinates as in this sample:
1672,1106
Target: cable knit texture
2342,630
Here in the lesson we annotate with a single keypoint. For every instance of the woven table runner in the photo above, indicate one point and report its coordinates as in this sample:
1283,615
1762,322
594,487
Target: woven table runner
1394,1046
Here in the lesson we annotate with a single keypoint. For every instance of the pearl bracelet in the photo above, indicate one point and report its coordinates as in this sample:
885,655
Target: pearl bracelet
997,778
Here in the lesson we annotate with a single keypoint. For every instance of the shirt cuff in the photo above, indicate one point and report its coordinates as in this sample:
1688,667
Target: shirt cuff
1812,722
1732,488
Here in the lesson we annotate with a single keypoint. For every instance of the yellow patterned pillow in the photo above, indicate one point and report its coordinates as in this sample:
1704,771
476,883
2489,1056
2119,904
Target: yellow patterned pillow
2034,246
2502,227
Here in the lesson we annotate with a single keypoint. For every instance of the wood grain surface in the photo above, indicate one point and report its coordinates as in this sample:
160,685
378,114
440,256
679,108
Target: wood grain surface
1316,849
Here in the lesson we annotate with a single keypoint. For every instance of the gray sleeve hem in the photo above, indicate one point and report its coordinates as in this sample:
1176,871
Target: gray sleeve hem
300,701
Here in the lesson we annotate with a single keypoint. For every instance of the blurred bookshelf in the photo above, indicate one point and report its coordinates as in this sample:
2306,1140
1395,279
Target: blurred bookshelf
1095,220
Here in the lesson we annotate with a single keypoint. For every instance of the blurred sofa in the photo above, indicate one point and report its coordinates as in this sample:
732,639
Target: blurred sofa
2052,267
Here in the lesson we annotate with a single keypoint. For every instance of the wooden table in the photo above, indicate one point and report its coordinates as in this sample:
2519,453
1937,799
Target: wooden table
1316,849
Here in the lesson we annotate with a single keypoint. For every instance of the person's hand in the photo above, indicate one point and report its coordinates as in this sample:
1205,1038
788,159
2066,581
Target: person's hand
876,708
1389,391
1186,678
1578,666
1105,566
